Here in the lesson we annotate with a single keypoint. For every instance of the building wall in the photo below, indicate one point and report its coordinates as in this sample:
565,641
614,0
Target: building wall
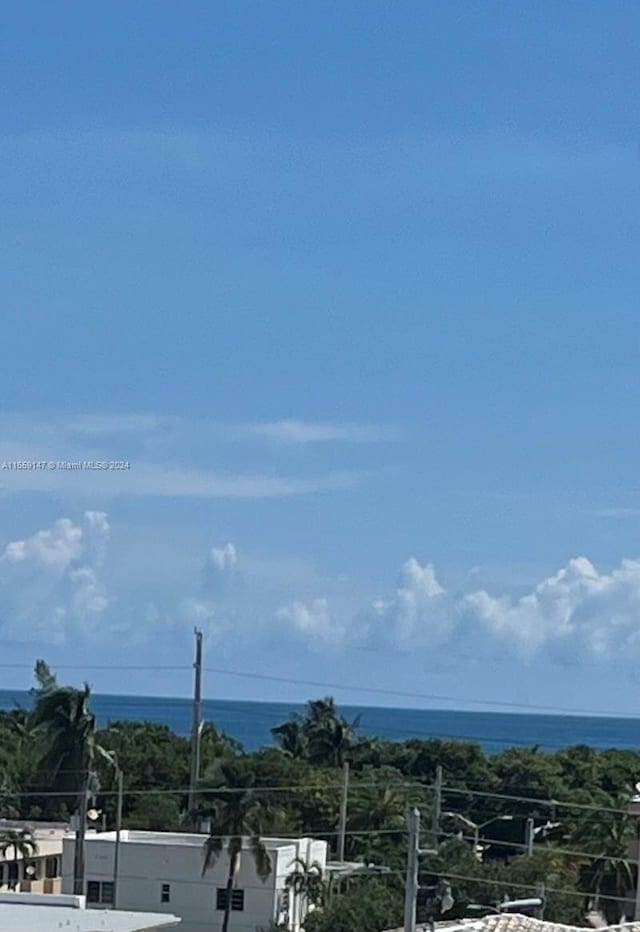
146,867
40,873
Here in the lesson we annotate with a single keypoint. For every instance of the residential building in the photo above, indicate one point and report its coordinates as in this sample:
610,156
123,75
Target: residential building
163,871
40,872
24,912
517,923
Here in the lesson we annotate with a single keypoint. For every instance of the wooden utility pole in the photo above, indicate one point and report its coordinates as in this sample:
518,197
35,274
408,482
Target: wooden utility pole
343,811
436,811
196,731
411,885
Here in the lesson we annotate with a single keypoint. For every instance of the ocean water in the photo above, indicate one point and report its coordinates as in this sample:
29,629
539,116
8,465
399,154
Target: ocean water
250,722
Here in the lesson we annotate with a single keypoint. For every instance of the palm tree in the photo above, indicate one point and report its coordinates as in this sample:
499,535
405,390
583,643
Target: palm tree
329,734
234,817
610,873
21,841
62,717
375,809
307,880
292,738
322,735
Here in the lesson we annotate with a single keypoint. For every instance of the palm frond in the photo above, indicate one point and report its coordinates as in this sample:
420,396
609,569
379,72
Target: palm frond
261,857
212,851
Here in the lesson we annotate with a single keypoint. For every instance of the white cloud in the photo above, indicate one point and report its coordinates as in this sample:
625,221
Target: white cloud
596,613
56,547
101,424
89,597
223,559
419,611
600,611
311,619
157,480
155,452
220,577
302,432
60,582
49,583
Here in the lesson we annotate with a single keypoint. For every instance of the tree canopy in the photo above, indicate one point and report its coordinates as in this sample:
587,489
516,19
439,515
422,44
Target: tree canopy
294,787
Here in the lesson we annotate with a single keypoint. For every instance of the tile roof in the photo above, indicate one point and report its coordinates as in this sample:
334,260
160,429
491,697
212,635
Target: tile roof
510,922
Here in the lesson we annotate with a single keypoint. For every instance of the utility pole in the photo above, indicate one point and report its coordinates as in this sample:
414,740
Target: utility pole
81,831
343,811
116,853
413,863
411,886
529,834
436,812
196,732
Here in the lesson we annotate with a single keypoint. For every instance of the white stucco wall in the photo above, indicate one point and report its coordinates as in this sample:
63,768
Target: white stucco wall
177,860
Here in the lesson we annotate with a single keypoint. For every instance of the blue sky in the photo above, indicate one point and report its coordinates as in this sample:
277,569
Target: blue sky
354,290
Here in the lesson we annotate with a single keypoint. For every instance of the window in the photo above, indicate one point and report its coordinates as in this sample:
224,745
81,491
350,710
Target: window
12,875
237,899
93,891
107,893
98,892
165,893
51,868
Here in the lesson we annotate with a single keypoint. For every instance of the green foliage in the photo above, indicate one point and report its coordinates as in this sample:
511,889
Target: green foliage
322,736
45,678
49,755
367,906
307,880
154,812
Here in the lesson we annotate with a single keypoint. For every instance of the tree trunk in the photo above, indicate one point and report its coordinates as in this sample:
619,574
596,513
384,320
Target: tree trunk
233,860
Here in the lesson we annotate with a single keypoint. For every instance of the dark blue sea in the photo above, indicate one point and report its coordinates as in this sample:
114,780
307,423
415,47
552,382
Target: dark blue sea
250,722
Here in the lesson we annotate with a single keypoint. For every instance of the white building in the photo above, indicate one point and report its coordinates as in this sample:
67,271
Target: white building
162,871
24,912
39,872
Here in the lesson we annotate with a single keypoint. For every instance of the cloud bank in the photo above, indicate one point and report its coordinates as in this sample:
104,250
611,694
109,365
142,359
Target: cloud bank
56,585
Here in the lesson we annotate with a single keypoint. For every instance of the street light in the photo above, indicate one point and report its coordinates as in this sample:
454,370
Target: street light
477,828
508,905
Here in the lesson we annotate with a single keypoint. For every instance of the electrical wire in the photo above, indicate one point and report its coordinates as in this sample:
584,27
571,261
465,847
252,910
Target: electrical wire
219,671
333,788
448,875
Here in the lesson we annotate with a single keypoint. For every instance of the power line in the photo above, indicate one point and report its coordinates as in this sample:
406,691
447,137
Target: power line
429,696
539,802
316,684
335,787
445,874
567,852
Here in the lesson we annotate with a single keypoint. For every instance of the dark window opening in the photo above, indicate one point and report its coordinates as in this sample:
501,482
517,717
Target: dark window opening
237,899
93,892
98,892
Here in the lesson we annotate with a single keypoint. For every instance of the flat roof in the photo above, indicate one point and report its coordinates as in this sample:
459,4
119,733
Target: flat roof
24,916
180,839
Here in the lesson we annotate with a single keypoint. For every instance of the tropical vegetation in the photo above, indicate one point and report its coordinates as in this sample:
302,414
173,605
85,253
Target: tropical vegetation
54,757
